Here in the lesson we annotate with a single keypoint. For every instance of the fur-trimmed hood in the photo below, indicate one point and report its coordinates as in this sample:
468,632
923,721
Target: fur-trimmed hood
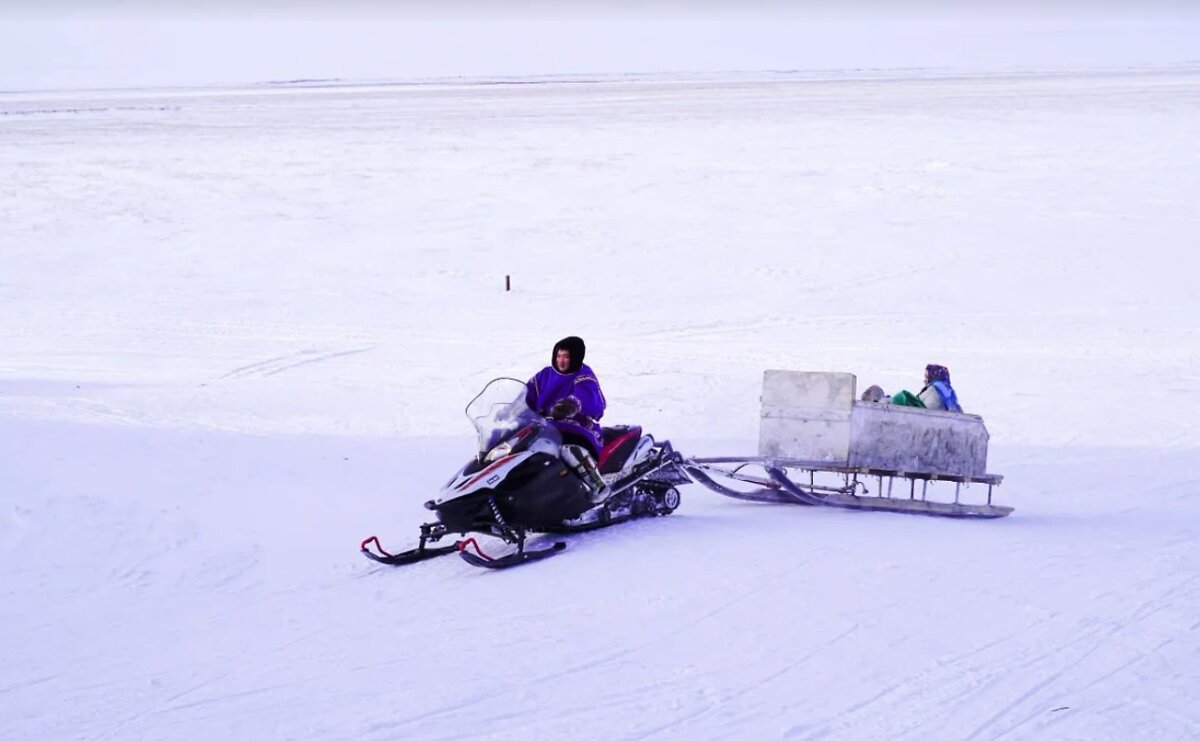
573,345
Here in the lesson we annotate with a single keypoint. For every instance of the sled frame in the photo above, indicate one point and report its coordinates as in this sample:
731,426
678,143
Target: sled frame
779,484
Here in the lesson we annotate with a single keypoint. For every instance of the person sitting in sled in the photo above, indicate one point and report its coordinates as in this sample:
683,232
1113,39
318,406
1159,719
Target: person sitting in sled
936,394
567,392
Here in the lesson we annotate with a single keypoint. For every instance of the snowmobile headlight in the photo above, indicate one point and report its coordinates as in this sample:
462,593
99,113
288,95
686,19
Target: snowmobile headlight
508,446
498,452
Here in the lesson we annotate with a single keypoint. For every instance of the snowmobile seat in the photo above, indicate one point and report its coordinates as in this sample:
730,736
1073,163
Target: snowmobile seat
619,443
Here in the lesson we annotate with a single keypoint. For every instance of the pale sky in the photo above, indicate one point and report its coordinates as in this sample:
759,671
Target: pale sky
113,43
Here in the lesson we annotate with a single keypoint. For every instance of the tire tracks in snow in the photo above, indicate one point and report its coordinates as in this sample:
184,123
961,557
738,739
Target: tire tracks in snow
772,677
675,633
1147,608
281,363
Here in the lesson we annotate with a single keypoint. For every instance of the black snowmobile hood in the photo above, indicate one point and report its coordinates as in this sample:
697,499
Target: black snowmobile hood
573,345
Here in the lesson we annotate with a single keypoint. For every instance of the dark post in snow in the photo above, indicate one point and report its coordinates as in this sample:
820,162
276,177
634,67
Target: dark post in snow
507,283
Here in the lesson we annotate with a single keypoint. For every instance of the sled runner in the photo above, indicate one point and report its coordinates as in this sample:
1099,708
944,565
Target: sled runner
518,485
818,446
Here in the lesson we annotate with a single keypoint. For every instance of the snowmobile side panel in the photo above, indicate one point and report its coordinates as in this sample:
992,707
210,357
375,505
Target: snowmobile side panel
542,493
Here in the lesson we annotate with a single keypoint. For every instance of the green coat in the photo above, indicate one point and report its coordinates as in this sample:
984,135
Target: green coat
907,399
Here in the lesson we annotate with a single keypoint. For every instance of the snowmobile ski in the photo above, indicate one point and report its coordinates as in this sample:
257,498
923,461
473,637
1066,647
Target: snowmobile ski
521,556
420,553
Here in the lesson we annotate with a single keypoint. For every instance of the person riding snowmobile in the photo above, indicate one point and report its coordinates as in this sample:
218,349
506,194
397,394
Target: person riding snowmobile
567,392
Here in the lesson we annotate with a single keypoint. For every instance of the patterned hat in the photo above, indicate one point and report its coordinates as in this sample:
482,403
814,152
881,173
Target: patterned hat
938,373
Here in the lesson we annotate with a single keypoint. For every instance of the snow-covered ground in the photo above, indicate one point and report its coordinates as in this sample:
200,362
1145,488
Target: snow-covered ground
239,327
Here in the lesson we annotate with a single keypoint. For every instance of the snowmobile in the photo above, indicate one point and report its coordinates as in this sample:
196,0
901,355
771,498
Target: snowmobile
518,485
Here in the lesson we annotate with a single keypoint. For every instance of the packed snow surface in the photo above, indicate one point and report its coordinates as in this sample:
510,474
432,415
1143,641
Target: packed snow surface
240,325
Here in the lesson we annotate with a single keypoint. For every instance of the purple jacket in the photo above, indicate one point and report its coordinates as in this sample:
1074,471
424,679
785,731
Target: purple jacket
550,386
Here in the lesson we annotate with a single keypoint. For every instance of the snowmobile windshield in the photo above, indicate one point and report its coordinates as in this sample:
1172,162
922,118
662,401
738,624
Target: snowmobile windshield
498,411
